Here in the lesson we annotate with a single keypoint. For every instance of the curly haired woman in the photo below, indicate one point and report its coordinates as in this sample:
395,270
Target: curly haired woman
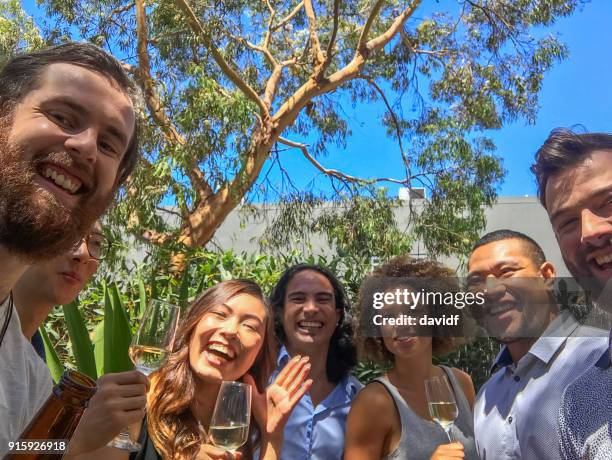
390,417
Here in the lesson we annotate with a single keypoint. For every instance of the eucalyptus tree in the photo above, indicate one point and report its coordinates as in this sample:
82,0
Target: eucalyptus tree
232,88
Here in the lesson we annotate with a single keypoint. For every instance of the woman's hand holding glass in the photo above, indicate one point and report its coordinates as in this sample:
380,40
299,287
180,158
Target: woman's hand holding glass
448,451
210,452
272,407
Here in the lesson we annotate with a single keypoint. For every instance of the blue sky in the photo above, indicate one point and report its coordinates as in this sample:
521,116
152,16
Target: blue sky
575,92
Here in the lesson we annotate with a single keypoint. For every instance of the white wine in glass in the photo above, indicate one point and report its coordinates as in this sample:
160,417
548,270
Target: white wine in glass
150,347
147,359
230,436
229,425
442,404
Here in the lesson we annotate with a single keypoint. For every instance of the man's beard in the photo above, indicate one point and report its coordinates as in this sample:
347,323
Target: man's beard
34,224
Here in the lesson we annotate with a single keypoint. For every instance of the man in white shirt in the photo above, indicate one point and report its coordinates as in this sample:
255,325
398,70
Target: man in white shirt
574,176
25,382
544,349
68,140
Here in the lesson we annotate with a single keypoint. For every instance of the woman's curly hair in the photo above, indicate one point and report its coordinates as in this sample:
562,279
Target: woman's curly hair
437,276
342,354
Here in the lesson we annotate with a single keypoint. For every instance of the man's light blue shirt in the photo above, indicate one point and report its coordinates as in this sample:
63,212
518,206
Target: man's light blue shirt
318,432
515,415
585,417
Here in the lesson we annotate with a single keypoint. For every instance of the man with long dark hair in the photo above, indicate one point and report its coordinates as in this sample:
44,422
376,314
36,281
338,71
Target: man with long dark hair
574,175
312,319
68,141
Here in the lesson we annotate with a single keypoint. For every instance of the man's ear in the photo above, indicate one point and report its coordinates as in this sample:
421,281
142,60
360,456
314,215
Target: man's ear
548,272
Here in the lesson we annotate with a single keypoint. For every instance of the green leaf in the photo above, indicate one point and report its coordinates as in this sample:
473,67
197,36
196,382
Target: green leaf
81,343
153,283
53,361
143,295
107,332
183,296
201,285
98,345
122,334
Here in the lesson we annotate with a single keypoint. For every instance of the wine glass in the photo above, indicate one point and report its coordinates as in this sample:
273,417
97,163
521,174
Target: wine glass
442,404
150,347
229,426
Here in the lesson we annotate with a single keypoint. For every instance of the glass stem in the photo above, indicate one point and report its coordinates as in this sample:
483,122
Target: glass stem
448,433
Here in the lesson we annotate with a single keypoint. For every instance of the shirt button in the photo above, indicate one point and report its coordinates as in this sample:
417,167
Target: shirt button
516,378
510,419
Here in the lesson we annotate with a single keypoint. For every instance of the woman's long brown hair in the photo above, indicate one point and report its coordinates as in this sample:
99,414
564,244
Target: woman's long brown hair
170,423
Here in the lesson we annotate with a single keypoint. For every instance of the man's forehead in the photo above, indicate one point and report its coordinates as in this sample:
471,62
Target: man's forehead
69,76
496,252
77,84
573,185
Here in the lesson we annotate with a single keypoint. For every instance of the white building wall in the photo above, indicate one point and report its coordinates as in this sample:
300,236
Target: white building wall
523,214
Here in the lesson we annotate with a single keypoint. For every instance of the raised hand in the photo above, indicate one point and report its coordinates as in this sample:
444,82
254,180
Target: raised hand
273,407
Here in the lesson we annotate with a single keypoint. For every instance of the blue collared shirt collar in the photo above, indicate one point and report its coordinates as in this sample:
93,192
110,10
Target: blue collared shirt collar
605,362
283,357
547,345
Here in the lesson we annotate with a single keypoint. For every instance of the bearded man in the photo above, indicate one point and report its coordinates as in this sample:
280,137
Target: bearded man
68,140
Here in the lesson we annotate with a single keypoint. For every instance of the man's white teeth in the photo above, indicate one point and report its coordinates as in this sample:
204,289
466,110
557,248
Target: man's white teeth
310,324
500,309
223,349
603,259
59,179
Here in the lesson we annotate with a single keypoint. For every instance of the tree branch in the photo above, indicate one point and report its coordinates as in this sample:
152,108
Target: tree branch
290,109
439,54
334,172
363,38
157,238
330,46
254,47
289,17
226,68
274,80
143,73
268,36
319,58
122,9
396,26
269,5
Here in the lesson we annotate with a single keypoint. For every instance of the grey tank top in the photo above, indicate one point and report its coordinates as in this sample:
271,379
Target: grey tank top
421,437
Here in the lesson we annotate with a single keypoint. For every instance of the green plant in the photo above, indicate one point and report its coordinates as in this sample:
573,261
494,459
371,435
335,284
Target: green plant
107,312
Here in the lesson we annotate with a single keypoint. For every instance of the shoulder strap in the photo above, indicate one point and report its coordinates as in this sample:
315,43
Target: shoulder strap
457,389
7,318
403,409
